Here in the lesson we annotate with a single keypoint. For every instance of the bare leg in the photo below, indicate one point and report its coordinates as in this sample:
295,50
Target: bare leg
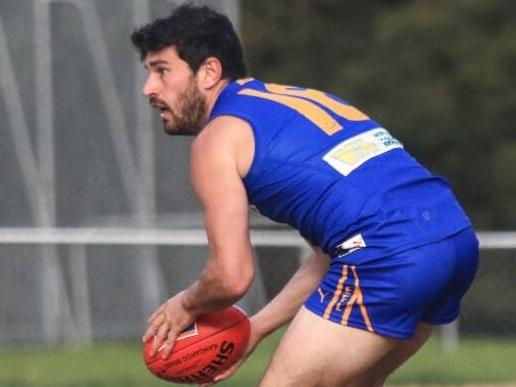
317,352
403,350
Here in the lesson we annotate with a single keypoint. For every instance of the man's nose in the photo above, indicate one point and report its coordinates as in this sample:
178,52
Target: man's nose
150,87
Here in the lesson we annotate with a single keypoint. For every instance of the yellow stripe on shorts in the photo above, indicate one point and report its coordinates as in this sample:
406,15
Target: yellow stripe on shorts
357,298
338,292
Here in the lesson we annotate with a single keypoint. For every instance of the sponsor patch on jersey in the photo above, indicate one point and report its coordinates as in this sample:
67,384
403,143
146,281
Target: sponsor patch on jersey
353,152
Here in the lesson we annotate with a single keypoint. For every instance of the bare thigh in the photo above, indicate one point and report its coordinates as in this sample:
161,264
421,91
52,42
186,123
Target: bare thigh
318,352
402,351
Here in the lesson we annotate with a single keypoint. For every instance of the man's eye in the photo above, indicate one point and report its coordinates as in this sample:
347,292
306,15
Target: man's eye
162,72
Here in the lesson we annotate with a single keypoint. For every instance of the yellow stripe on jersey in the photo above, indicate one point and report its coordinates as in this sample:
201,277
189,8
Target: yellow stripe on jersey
243,81
309,110
347,111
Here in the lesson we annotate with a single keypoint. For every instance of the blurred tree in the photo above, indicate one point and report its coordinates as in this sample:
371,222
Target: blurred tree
439,74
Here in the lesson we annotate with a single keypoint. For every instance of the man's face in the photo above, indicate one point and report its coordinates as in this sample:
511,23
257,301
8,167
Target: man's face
172,89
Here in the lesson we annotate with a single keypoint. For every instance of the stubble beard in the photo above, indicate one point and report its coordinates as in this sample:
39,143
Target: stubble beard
190,117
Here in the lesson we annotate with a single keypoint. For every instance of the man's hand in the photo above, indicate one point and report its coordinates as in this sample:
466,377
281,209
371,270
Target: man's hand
254,339
166,323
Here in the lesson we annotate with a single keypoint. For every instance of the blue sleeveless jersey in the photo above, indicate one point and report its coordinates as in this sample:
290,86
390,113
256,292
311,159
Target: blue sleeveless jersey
328,170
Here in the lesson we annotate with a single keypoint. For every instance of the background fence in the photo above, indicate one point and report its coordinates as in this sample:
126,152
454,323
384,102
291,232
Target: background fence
91,301
80,147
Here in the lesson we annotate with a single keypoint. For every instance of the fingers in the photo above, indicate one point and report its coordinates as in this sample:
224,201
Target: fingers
169,344
164,336
157,313
153,327
223,376
163,333
165,324
226,374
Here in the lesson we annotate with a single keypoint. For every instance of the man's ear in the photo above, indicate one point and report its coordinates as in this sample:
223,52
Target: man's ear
210,73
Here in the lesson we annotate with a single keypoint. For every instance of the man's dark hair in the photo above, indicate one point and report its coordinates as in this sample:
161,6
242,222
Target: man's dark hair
197,33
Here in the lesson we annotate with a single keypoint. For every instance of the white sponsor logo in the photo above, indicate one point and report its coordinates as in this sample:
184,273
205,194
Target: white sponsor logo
352,244
322,295
353,152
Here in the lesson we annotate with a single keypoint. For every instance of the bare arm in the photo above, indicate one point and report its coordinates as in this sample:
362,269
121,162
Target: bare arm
282,308
217,182
228,274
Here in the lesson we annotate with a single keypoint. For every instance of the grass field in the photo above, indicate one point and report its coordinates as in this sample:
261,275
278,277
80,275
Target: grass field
478,361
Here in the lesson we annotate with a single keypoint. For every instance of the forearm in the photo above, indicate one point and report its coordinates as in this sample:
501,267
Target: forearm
217,288
220,285
282,308
204,296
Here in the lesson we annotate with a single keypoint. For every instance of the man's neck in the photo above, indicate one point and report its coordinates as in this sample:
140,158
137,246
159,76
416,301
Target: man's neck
213,95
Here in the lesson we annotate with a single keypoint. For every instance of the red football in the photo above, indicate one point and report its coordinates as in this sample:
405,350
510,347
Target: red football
207,348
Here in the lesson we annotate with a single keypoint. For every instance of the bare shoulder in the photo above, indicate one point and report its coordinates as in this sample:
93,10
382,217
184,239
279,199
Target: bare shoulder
226,139
219,155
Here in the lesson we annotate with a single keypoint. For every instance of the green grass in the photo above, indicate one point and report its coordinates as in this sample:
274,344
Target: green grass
489,361
117,364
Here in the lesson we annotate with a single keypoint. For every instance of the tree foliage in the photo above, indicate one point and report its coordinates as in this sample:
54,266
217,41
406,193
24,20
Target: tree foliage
438,74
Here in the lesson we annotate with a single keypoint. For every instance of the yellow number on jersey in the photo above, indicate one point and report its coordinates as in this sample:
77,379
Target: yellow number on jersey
305,102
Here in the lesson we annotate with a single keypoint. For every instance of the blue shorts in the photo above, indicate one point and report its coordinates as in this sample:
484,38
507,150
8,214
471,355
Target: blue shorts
391,295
